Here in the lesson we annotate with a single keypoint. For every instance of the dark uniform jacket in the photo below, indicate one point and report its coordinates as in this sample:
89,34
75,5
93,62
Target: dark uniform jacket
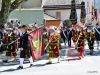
1,39
25,44
24,41
69,34
97,35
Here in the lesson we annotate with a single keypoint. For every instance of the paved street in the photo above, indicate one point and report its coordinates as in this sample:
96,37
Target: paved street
89,65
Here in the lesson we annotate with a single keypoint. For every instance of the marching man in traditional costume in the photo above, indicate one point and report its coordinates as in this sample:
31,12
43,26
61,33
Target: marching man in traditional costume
81,41
1,39
75,33
97,35
90,38
10,48
53,35
25,50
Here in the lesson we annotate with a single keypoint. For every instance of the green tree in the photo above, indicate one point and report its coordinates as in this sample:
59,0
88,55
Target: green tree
83,12
7,6
73,15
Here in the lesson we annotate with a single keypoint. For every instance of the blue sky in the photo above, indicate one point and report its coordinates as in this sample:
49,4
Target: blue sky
97,3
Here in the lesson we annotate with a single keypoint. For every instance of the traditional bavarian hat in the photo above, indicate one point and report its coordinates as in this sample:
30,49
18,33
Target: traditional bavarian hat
24,26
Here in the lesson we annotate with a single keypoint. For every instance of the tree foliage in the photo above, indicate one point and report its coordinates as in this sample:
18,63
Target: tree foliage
7,6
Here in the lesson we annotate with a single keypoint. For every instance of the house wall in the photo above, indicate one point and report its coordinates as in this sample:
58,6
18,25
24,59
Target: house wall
78,15
88,6
59,2
64,13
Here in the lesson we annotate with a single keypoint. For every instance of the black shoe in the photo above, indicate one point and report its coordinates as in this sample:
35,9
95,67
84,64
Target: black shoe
31,65
5,61
91,53
20,67
49,63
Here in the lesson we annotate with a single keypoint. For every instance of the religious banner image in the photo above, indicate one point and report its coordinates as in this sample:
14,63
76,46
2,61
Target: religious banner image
36,41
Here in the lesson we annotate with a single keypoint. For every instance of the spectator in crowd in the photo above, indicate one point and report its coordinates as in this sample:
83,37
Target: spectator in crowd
97,35
90,38
1,39
63,35
69,36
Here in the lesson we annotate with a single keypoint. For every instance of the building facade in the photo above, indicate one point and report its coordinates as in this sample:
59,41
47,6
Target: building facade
61,9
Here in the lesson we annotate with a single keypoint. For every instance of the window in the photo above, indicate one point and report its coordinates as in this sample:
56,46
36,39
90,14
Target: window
58,15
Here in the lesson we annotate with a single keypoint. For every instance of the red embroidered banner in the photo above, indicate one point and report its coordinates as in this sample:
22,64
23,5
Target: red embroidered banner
36,40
